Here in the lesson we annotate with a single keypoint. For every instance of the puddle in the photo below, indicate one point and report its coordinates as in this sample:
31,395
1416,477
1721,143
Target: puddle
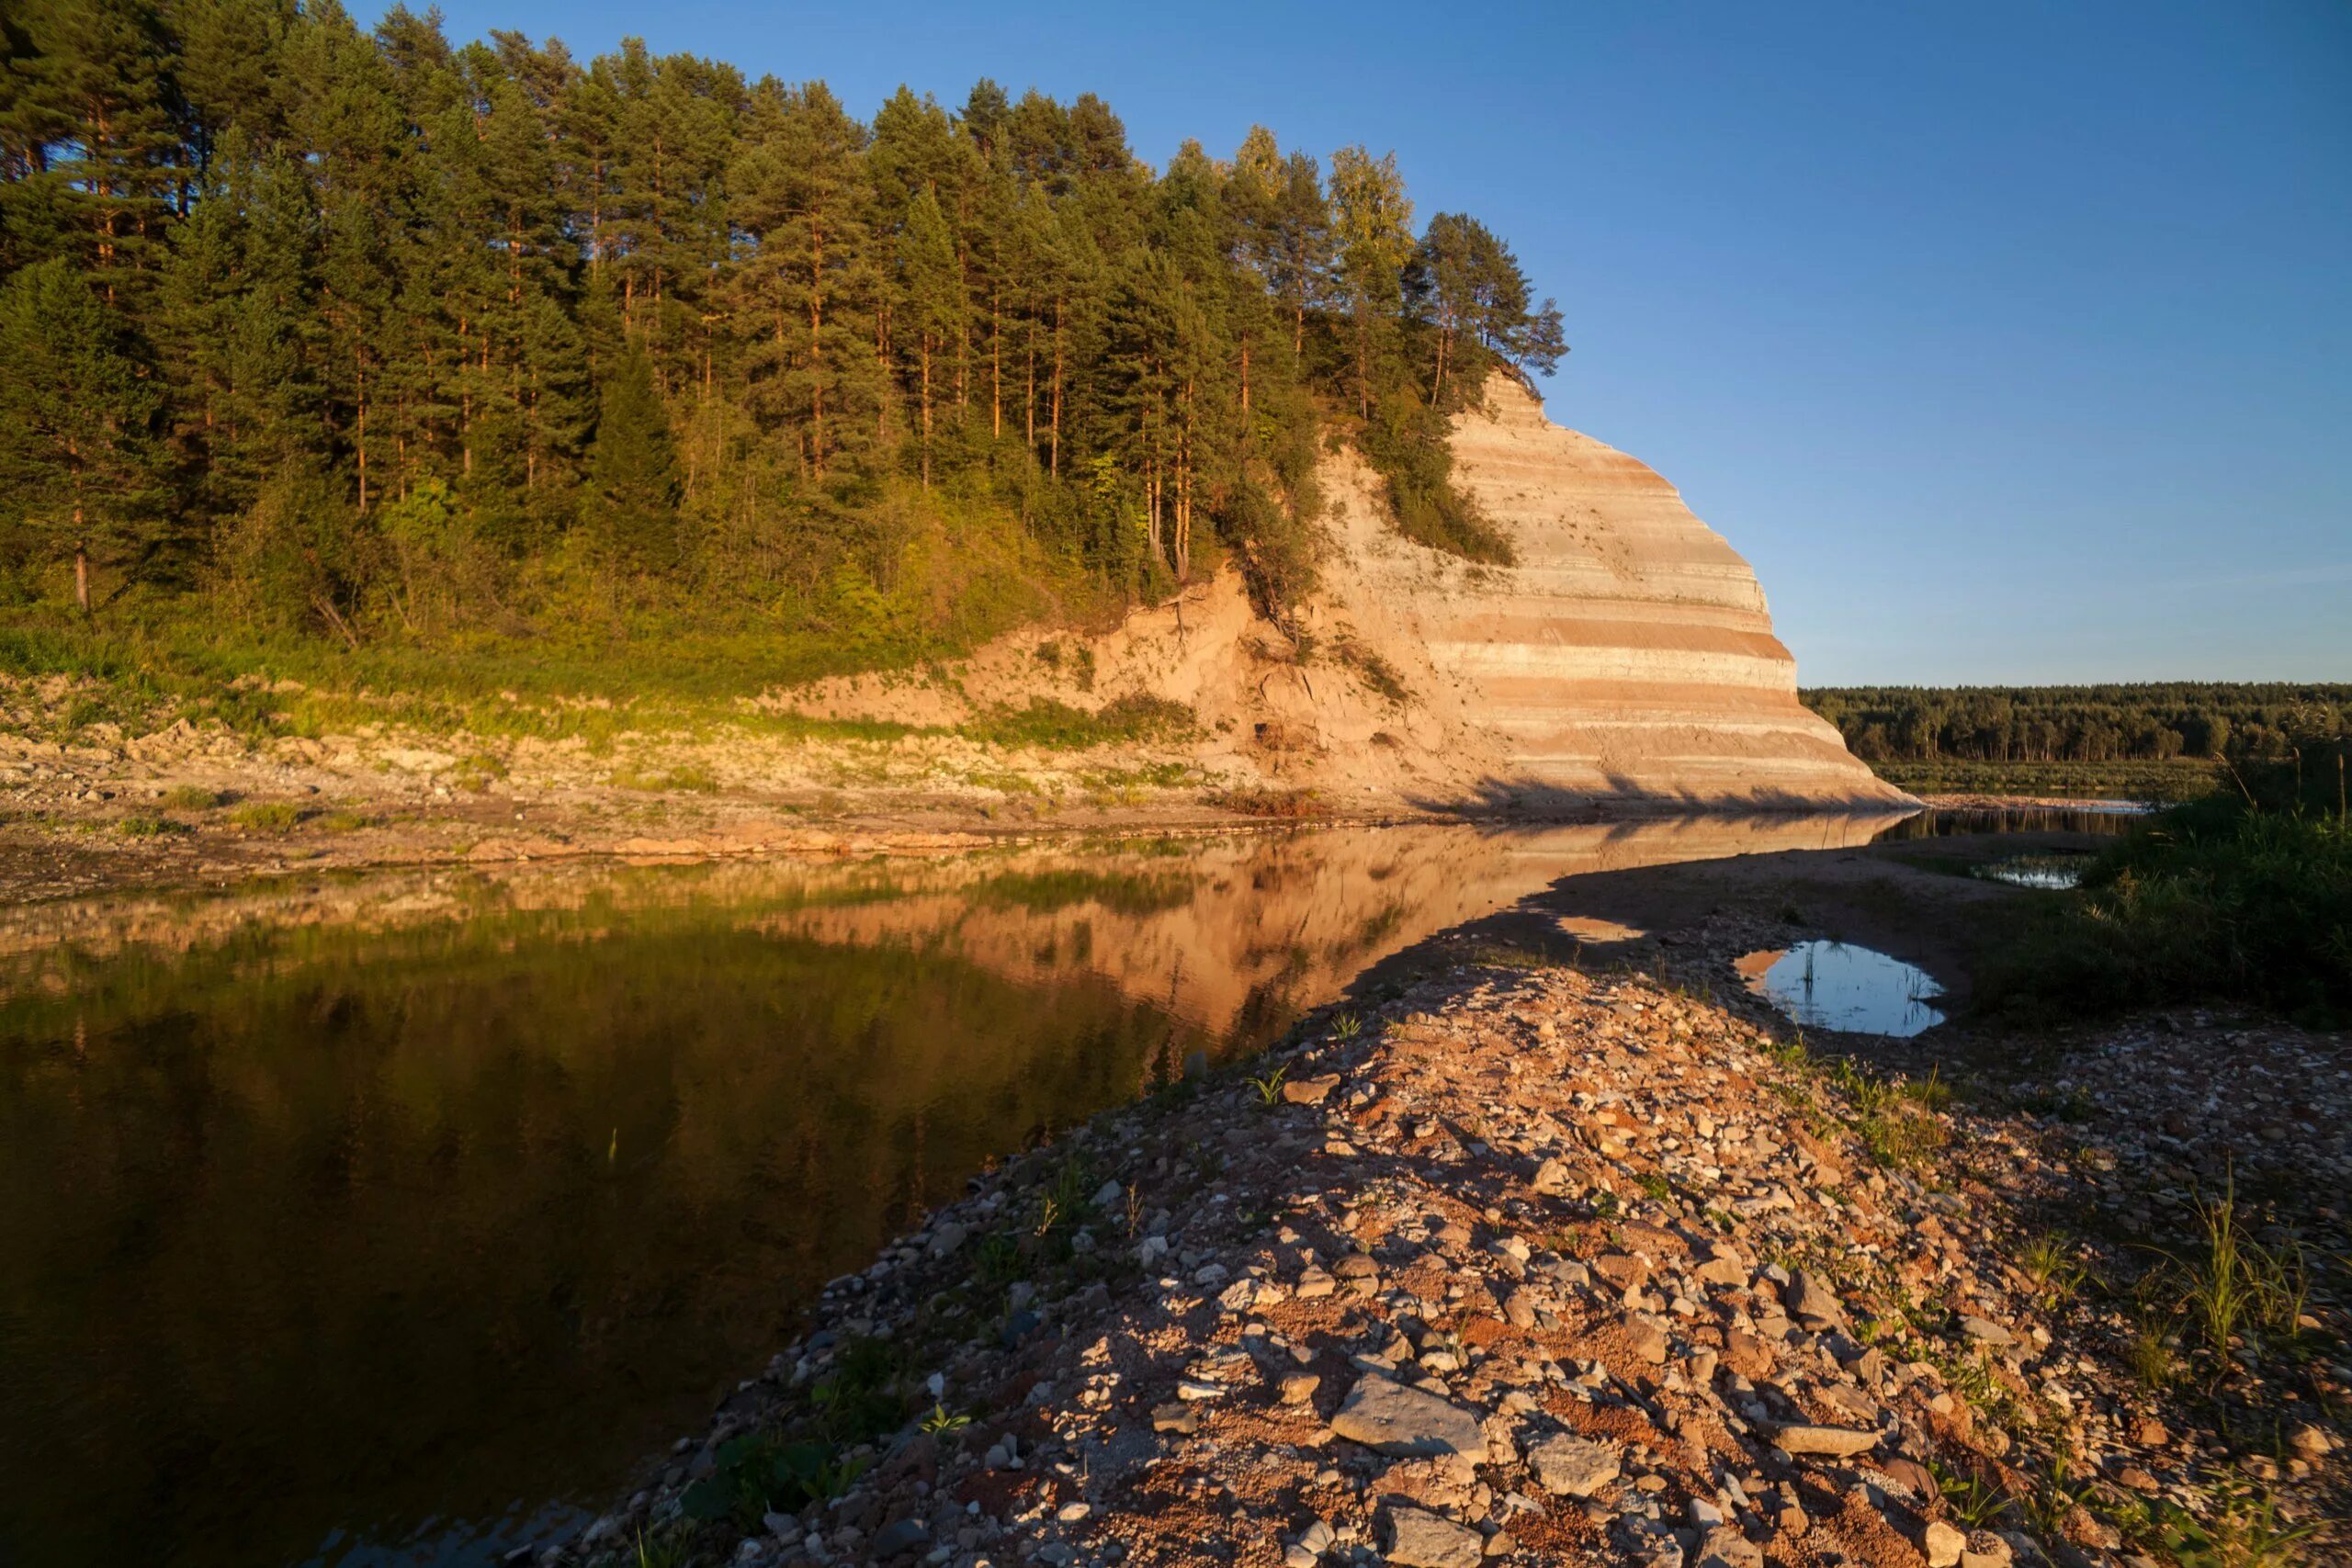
2056,873
1828,984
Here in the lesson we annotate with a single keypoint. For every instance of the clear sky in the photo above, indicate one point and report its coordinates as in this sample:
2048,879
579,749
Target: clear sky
2012,341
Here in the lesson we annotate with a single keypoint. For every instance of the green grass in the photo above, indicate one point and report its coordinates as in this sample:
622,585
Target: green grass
190,797
685,777
267,815
2214,900
1048,724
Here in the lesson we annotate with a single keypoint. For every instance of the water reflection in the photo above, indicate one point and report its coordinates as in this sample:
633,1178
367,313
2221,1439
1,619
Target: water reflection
382,1219
1829,985
2054,873
2109,818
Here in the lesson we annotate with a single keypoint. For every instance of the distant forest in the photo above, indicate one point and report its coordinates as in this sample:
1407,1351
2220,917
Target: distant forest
367,338
2152,721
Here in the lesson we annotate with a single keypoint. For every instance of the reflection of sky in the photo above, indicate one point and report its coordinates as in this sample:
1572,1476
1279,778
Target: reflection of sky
1827,985
2043,872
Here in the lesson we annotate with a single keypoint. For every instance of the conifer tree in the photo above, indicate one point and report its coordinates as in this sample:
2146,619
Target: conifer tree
79,469
634,471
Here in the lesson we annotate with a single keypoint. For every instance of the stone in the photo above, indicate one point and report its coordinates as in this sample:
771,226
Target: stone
1986,1549
1836,1441
1943,1544
1984,1330
1646,1335
902,1535
1419,1539
1297,1388
1572,1467
1405,1423
1622,1270
1518,1309
1313,1285
1551,1176
1811,1302
1173,1417
947,1239
1296,1556
1310,1091
1724,1547
1722,1271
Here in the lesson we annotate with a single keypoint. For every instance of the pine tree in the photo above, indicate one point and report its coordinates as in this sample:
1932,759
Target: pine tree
633,470
79,466
1374,224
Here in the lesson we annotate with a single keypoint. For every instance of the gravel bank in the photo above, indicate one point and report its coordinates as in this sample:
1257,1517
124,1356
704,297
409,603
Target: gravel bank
1527,1266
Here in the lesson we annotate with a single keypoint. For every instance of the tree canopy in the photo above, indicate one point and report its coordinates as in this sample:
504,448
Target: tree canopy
370,334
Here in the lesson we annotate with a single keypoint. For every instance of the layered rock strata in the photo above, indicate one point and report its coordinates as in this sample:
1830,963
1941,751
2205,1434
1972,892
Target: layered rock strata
1629,651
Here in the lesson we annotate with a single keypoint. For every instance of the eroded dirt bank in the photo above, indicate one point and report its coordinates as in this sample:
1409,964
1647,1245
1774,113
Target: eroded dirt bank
1505,1260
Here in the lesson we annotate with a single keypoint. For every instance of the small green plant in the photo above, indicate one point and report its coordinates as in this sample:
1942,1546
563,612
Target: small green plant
190,797
1270,1088
1049,1214
2238,1286
2152,1355
478,773
666,1554
1657,1187
996,1262
942,1422
1347,1026
2050,1262
758,1475
147,825
1930,1092
2244,1530
267,815
1975,1498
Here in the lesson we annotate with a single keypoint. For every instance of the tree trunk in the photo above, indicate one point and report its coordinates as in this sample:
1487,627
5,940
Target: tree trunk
81,570
926,411
816,348
1055,466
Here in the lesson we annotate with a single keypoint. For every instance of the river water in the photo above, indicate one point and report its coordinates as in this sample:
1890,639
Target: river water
391,1219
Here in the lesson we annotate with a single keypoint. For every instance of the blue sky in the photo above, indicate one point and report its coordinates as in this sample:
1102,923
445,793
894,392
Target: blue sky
2011,342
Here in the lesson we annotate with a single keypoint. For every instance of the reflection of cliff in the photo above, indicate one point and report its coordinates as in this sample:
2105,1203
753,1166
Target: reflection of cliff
1226,932
1292,918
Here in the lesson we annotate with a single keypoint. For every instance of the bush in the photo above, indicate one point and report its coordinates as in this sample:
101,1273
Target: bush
2217,900
1405,442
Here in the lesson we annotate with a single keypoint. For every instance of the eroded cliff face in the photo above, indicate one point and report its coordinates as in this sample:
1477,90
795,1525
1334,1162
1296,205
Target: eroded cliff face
1629,651
1627,658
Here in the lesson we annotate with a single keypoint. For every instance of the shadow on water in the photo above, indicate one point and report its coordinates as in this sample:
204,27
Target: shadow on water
390,1220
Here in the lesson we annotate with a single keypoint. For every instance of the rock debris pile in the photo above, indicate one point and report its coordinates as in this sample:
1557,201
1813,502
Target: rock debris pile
1523,1268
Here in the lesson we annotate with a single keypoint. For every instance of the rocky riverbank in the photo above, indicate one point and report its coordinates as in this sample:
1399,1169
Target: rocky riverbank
1523,1265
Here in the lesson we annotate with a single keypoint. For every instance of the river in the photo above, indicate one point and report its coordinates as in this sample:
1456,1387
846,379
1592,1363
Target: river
391,1219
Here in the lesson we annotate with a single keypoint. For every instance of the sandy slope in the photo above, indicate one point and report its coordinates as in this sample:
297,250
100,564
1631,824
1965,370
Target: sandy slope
1627,656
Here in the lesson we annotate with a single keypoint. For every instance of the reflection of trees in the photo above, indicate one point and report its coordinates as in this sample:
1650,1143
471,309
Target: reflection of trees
478,1220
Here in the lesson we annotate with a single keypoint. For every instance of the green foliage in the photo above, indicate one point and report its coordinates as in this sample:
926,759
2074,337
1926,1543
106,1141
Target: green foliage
326,339
267,815
2213,900
2153,721
1405,441
759,1475
1057,725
